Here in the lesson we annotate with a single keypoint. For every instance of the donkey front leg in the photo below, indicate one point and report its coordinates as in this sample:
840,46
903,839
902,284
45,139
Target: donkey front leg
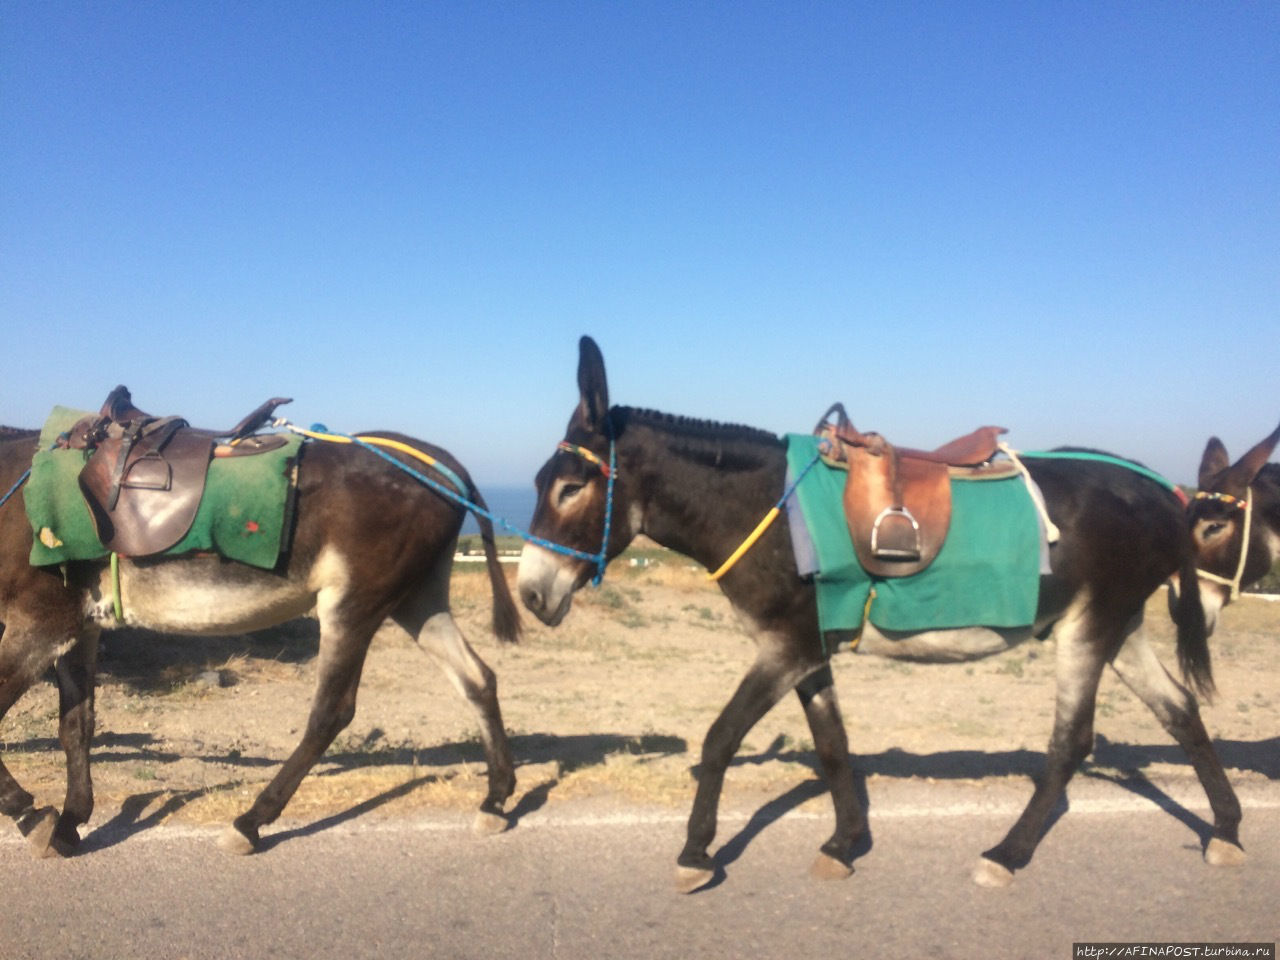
37,825
770,677
25,655
76,671
831,742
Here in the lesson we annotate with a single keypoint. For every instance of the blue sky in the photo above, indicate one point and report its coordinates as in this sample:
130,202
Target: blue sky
1059,217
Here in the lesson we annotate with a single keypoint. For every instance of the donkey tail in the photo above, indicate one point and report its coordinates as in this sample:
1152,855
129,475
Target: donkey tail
506,618
1193,635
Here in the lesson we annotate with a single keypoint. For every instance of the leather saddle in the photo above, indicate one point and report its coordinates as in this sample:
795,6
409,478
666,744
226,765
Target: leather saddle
144,476
897,500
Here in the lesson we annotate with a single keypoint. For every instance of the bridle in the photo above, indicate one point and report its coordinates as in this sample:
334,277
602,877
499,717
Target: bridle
610,472
1247,506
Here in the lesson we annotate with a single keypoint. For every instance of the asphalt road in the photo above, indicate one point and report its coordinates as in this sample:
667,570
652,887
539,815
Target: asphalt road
591,880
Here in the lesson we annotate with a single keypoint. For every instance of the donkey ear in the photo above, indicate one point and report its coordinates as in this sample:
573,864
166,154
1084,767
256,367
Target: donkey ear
593,386
1212,463
1246,468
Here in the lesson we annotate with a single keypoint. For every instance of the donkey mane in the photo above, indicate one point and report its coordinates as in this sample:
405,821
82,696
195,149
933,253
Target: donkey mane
728,447
688,427
17,433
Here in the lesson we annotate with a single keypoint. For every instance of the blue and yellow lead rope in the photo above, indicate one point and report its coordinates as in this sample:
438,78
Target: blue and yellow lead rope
321,432
764,524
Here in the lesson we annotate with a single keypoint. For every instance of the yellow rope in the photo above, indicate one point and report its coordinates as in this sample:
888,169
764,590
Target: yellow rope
376,441
117,603
768,519
747,544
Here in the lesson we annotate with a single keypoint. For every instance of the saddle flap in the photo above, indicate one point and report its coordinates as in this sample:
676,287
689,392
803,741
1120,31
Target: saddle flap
148,502
898,510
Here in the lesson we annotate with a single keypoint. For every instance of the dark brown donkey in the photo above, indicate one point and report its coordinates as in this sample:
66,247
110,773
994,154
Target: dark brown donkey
1235,522
369,544
699,488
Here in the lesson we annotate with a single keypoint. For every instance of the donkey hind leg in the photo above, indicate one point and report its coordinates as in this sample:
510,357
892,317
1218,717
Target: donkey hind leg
770,677
1082,652
341,660
818,697
1175,707
76,672
441,639
425,616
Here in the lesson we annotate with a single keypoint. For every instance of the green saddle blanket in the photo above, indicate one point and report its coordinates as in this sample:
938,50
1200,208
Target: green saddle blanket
986,574
243,515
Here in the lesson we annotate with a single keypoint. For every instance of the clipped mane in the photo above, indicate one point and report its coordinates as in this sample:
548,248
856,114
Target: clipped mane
690,428
719,446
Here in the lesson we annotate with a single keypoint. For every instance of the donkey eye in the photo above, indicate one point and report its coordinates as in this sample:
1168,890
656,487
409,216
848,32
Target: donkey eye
1213,529
568,491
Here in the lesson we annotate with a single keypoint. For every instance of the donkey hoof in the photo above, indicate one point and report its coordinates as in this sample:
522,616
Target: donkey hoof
1223,853
233,840
38,827
488,824
826,867
988,873
689,879
63,846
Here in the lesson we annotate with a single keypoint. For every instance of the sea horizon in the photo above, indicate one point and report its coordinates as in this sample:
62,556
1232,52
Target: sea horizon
511,503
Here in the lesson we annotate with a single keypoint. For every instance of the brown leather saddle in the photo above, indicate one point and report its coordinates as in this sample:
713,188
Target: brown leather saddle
144,476
897,500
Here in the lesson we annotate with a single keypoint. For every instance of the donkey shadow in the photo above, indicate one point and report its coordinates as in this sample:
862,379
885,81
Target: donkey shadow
1118,763
144,661
1127,760
566,753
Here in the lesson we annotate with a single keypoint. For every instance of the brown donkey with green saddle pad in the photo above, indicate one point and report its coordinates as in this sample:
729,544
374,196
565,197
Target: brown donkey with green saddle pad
368,545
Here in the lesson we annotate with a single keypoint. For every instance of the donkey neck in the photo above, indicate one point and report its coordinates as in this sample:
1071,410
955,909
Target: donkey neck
699,487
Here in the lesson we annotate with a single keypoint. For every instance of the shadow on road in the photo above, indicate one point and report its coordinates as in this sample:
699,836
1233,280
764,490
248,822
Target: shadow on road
567,753
1119,763
1250,756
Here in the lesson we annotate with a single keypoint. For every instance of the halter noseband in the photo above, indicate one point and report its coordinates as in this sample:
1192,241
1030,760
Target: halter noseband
1247,506
609,470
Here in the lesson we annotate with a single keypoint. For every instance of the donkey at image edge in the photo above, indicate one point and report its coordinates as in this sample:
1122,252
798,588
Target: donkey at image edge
369,544
1235,522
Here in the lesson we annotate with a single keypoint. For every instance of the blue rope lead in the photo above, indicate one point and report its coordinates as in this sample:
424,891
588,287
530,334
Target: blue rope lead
14,489
596,558
602,558
27,473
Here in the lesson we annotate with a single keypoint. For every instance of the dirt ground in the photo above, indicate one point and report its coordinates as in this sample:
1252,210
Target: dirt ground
612,705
